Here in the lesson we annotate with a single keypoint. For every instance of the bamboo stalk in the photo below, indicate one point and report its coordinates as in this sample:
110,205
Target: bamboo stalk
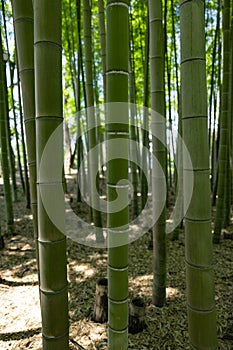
198,238
49,118
159,151
4,148
117,169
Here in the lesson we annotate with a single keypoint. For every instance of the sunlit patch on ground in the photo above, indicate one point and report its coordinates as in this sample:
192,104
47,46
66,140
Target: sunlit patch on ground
89,334
19,302
20,319
83,271
172,292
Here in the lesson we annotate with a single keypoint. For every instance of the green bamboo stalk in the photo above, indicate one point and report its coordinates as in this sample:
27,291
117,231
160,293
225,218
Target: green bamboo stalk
70,49
8,129
223,152
102,42
227,201
4,148
69,37
9,145
231,111
99,132
213,83
92,137
117,14
80,74
145,133
102,34
198,239
133,149
72,5
12,68
179,182
79,138
179,152
51,241
227,197
168,79
175,53
11,75
27,184
217,112
159,151
133,122
80,51
23,25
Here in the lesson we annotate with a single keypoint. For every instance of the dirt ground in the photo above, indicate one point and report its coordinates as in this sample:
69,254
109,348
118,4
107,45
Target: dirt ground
166,328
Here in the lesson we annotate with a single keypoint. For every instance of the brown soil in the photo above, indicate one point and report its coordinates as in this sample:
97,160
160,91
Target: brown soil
166,328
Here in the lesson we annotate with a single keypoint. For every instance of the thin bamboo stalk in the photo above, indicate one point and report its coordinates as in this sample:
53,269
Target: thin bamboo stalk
4,148
224,137
159,151
27,184
91,122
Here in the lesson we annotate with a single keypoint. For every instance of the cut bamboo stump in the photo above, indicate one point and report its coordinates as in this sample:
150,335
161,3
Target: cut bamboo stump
2,243
150,241
136,315
101,301
227,234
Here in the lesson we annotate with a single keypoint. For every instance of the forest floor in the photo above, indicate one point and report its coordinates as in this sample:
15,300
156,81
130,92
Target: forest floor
166,328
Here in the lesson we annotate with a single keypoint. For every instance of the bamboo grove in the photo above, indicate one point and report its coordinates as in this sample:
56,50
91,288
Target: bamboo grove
144,91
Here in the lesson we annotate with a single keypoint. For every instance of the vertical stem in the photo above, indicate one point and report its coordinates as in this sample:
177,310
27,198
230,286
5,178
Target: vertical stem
4,148
145,133
80,74
12,68
198,238
224,137
159,151
91,122
8,132
49,146
117,130
102,42
27,186
23,26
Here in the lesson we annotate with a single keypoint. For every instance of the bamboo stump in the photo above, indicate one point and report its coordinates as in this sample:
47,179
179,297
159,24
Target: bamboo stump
2,243
150,241
136,315
101,301
227,234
